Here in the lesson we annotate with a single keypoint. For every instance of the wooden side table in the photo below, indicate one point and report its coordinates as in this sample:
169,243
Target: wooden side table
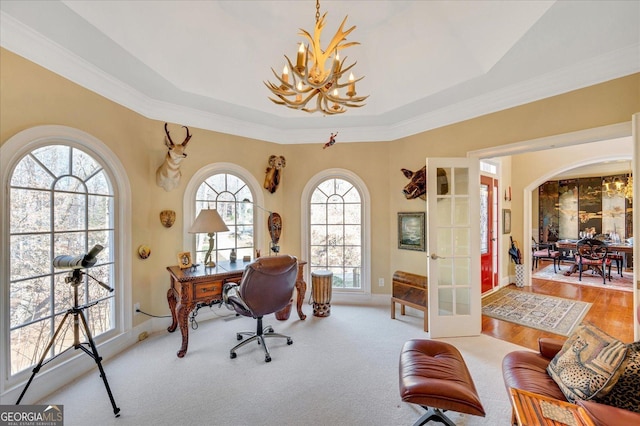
532,409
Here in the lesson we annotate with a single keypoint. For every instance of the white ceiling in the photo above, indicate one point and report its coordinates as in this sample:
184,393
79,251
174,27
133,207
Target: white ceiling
426,63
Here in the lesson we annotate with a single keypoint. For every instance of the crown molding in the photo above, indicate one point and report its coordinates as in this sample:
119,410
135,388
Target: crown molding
26,42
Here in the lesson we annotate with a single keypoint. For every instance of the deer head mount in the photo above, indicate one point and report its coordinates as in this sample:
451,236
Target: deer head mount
168,174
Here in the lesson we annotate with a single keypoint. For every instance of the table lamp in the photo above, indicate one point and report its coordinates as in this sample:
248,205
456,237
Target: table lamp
208,222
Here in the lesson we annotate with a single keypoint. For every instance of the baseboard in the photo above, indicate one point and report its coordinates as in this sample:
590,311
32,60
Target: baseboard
55,375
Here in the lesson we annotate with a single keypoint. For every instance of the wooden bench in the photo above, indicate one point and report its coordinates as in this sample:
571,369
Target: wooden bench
409,290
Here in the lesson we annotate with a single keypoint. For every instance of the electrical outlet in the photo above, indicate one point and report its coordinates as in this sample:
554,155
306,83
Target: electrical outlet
381,282
136,308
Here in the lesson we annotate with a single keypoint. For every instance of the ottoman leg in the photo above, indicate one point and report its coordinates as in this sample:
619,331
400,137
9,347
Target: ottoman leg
434,414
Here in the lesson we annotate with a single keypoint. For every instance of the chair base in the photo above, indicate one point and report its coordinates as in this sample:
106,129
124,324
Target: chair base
434,414
259,336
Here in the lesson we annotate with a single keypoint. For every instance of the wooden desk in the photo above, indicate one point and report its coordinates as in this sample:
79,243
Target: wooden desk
528,410
191,287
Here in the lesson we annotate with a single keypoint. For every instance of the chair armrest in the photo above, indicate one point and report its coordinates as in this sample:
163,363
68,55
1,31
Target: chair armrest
549,346
607,415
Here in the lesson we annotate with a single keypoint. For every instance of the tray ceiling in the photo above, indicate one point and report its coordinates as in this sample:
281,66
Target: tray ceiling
427,63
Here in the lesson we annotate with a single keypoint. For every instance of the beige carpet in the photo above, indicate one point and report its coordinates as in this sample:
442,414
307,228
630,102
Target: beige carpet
340,370
624,283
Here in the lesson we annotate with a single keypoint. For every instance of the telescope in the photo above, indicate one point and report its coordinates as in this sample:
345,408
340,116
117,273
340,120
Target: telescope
78,262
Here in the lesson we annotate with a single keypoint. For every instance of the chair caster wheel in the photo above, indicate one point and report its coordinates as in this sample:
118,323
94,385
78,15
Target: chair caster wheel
232,355
267,358
289,342
238,336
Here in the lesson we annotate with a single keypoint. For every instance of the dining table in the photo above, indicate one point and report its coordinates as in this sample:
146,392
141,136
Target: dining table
571,245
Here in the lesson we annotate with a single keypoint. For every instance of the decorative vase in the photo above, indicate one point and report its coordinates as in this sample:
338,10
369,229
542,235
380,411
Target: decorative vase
233,256
520,275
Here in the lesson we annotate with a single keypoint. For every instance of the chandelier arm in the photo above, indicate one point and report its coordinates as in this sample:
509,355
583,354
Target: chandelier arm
283,87
340,36
332,110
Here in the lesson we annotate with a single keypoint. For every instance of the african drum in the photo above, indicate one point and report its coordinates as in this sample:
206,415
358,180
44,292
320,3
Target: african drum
321,292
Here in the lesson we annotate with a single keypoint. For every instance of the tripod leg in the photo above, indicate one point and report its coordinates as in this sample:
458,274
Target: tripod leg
36,369
98,361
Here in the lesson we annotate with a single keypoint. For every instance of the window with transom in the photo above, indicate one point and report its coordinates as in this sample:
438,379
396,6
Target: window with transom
60,202
336,232
230,195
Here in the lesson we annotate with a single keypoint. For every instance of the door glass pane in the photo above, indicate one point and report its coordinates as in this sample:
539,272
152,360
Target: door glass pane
444,242
463,301
442,186
461,211
484,219
462,272
461,180
445,272
444,212
462,241
445,301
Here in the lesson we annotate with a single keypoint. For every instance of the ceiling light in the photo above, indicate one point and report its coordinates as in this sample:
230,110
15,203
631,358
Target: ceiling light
317,74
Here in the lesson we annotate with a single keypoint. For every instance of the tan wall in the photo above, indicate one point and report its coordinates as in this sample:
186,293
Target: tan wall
31,96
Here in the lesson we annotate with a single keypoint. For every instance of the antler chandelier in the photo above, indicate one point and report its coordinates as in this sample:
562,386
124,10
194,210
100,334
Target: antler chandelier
318,73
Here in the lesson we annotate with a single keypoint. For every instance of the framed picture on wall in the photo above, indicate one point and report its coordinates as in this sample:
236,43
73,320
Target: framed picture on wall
506,221
411,235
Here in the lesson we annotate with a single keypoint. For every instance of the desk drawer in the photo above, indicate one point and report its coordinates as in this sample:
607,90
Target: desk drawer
208,290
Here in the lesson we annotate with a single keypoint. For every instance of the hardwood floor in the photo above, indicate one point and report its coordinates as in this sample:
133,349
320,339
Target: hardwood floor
611,311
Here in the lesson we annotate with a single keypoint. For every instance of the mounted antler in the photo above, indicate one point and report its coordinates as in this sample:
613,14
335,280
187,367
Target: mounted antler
168,174
170,143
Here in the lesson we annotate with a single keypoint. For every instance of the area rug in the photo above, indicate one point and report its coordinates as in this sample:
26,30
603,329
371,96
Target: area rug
547,313
617,282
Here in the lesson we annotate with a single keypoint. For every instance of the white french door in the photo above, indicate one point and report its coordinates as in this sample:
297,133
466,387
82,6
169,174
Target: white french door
453,230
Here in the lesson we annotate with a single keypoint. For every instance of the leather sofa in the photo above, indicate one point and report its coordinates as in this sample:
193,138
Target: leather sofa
528,370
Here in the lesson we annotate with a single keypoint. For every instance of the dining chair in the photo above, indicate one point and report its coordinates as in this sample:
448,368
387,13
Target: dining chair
544,251
592,254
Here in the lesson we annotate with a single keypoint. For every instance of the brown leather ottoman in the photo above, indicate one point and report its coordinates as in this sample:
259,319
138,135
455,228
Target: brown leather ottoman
434,375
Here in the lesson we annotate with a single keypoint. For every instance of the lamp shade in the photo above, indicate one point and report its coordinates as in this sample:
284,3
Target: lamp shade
207,222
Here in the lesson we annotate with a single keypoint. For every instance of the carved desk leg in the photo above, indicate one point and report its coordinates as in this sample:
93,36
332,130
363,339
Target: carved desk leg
172,298
301,286
183,321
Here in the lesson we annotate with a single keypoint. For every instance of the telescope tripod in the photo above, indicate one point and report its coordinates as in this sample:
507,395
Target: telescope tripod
75,279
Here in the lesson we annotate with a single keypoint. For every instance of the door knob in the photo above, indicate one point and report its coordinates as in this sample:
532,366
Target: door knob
435,256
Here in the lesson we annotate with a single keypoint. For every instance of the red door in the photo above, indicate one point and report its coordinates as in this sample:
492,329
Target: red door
488,216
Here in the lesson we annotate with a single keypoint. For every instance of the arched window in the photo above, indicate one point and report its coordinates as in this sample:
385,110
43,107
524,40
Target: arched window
61,201
230,190
336,226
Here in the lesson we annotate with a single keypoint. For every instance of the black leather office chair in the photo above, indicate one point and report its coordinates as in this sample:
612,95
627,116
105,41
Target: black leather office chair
592,254
266,287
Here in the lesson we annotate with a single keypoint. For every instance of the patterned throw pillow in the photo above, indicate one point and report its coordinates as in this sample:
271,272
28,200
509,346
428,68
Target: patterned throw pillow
588,363
626,393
